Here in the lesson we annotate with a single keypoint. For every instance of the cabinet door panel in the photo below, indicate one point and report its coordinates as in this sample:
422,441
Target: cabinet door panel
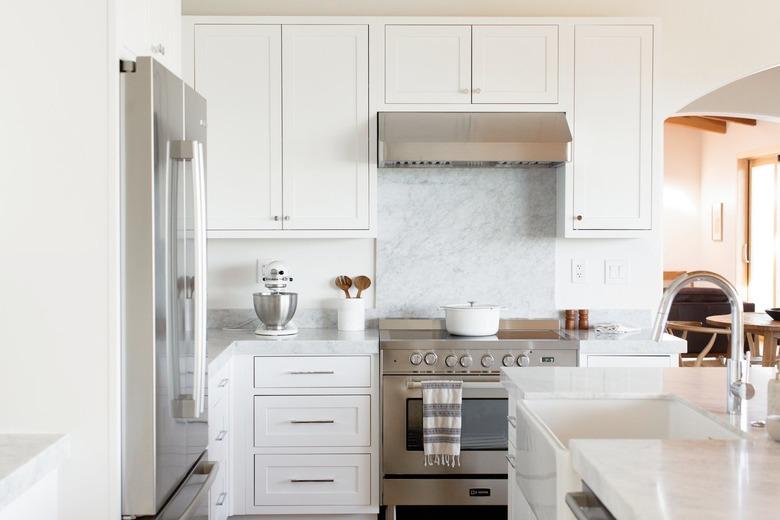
166,33
325,130
238,71
515,64
428,64
613,127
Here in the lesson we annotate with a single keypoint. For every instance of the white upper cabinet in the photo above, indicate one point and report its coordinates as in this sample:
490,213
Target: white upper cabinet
515,64
238,70
471,64
612,152
325,126
150,28
428,64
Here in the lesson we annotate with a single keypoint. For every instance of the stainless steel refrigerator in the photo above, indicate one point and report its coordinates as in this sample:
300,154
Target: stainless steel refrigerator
165,470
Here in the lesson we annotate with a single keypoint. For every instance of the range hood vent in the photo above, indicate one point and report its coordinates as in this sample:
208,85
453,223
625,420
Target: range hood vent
472,139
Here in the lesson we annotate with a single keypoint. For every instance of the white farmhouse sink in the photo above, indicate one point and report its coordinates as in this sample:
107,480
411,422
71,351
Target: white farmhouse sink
545,427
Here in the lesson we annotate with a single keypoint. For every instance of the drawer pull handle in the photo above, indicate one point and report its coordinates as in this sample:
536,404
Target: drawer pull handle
223,383
511,460
221,435
512,420
221,498
311,372
313,421
307,480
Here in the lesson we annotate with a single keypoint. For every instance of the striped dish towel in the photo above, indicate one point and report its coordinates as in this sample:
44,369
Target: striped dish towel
441,422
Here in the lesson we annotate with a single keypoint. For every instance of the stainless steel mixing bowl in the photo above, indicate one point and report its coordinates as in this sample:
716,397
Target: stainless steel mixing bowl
275,310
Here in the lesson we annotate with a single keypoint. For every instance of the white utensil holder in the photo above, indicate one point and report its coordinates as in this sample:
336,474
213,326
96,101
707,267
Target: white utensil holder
351,314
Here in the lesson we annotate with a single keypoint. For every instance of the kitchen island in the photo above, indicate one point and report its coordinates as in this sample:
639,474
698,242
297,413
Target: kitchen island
671,476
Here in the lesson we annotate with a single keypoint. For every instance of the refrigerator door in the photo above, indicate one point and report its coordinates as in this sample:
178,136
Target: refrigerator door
164,422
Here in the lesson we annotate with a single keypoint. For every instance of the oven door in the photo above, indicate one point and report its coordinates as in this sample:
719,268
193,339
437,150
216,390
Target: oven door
483,426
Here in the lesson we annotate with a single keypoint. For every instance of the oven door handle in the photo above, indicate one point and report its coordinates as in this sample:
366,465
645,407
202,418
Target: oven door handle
467,385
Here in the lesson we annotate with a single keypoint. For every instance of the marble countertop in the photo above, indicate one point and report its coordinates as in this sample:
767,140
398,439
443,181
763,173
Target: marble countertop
639,342
671,479
317,342
27,458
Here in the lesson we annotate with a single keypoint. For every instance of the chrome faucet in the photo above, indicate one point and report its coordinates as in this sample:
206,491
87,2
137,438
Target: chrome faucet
738,366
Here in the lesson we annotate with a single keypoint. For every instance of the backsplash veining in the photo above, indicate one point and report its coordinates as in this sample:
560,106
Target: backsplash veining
449,236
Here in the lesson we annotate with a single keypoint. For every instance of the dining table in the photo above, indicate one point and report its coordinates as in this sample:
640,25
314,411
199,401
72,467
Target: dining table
755,324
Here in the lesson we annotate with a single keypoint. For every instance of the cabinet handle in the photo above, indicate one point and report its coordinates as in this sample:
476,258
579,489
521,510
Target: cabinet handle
311,372
578,217
276,218
221,435
511,460
464,91
223,383
287,217
477,91
221,498
158,49
304,480
511,420
314,421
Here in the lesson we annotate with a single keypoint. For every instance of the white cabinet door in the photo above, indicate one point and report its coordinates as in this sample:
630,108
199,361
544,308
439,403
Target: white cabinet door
238,71
134,28
325,126
515,64
612,156
428,64
166,33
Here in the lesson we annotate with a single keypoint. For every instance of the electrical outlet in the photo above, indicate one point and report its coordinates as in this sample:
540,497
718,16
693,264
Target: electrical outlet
259,263
615,271
579,272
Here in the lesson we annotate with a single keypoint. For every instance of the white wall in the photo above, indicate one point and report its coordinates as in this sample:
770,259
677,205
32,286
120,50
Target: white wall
58,351
704,44
682,212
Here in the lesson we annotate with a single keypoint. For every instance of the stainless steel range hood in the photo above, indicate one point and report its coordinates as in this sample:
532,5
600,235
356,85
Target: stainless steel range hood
472,139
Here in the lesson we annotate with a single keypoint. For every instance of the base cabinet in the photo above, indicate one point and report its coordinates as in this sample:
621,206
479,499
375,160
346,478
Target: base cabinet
611,360
219,441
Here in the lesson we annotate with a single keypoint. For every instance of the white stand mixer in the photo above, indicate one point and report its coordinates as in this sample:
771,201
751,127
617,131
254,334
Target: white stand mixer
275,308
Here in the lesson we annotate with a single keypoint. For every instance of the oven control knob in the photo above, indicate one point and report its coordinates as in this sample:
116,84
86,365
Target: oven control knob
415,359
508,360
430,358
523,360
450,360
465,361
487,361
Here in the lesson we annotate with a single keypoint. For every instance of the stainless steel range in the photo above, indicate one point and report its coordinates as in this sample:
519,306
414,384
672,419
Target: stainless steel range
414,350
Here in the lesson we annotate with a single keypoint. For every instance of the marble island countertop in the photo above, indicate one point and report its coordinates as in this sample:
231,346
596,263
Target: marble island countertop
27,458
638,342
642,479
308,342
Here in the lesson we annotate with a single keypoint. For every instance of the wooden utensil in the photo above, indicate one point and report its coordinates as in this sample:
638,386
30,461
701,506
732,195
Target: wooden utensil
362,283
344,283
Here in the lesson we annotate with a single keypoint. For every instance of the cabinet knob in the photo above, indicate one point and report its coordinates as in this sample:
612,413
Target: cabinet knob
276,218
464,91
158,49
477,91
287,217
578,217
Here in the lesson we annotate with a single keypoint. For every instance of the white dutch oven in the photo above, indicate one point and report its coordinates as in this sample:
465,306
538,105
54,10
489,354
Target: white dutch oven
471,319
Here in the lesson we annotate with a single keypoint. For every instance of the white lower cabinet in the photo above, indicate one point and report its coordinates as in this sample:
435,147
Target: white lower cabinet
219,441
608,360
312,480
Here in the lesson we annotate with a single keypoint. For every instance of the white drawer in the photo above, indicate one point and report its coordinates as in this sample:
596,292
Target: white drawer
313,420
313,372
312,480
218,504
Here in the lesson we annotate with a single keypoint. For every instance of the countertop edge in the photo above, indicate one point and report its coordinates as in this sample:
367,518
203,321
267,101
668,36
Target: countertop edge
32,470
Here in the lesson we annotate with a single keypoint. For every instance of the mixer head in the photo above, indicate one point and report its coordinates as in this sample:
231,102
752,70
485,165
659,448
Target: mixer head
275,275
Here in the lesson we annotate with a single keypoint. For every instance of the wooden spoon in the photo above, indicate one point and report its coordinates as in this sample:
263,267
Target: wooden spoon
362,283
344,283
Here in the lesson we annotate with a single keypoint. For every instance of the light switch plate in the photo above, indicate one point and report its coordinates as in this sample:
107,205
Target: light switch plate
615,271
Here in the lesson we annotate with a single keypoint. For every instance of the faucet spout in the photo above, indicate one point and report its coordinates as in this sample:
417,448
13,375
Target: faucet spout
738,365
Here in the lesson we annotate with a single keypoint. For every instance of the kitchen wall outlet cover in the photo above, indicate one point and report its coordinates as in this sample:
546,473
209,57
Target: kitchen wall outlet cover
579,271
615,271
259,263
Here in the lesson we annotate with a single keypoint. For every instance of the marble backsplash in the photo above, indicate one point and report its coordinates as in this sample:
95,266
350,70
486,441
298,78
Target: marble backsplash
457,235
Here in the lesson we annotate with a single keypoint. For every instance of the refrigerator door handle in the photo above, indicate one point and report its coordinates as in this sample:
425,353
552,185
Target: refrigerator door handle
201,267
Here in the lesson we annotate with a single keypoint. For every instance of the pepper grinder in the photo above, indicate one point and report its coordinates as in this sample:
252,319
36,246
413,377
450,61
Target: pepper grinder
584,325
571,319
